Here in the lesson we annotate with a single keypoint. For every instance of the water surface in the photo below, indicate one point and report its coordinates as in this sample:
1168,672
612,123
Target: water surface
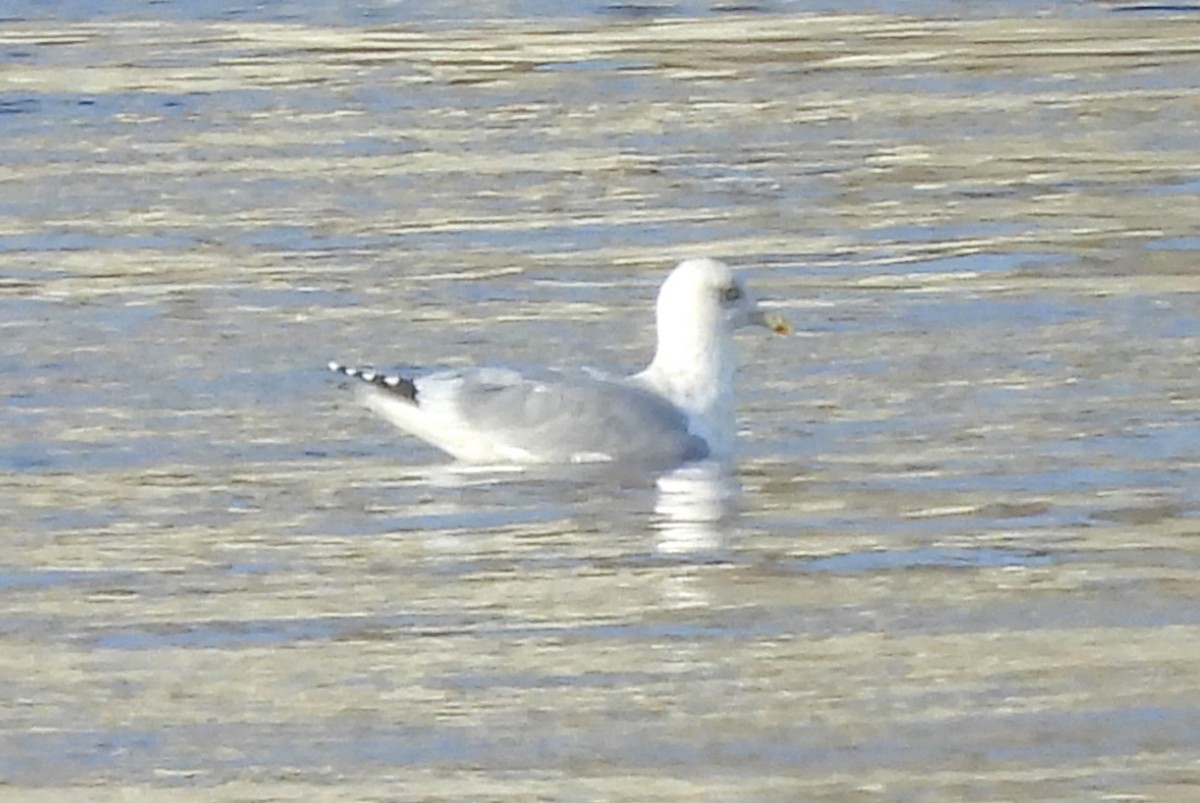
958,560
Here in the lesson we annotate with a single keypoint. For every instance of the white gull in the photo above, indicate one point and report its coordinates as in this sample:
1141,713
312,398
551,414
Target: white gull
680,408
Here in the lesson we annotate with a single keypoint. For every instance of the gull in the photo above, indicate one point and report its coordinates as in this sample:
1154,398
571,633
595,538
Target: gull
679,409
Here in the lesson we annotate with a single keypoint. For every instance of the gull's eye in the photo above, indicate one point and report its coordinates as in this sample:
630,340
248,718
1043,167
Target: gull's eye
732,293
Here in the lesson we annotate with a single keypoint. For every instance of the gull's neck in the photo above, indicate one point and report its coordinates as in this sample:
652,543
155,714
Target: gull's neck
693,367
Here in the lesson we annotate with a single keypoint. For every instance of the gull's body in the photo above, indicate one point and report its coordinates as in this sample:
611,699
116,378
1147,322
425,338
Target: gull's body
679,408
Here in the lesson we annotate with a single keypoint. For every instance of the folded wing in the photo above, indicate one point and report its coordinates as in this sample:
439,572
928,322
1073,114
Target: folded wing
491,414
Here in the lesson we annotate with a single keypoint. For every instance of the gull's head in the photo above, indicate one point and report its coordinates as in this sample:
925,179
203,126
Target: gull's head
705,294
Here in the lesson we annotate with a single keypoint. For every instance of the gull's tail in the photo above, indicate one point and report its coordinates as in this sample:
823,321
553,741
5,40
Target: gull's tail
393,383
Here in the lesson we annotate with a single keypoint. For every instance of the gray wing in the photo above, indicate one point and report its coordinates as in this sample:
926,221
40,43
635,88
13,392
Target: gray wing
561,418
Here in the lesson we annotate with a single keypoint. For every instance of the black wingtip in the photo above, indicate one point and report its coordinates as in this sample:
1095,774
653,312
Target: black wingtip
393,383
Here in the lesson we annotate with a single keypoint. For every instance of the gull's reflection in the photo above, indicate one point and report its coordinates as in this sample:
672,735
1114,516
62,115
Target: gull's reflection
694,505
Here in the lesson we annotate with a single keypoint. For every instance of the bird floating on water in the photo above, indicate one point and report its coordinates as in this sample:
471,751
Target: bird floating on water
680,408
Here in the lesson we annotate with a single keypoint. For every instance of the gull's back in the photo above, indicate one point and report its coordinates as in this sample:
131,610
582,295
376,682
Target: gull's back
498,415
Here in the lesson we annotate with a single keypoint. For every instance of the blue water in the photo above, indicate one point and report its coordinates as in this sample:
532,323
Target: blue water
965,507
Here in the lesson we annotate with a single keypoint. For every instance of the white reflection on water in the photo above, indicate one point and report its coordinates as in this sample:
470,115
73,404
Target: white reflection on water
695,503
691,509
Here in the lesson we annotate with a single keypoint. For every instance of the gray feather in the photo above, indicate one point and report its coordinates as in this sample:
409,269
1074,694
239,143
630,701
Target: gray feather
560,417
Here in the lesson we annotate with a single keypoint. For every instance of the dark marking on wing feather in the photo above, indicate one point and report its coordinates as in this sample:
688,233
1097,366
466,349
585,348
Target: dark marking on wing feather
392,383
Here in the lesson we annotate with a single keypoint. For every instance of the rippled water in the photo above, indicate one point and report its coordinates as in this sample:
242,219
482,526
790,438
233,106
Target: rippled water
958,560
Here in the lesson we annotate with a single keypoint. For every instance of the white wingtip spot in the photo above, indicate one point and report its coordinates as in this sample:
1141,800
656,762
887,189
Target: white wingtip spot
391,381
334,366
368,376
